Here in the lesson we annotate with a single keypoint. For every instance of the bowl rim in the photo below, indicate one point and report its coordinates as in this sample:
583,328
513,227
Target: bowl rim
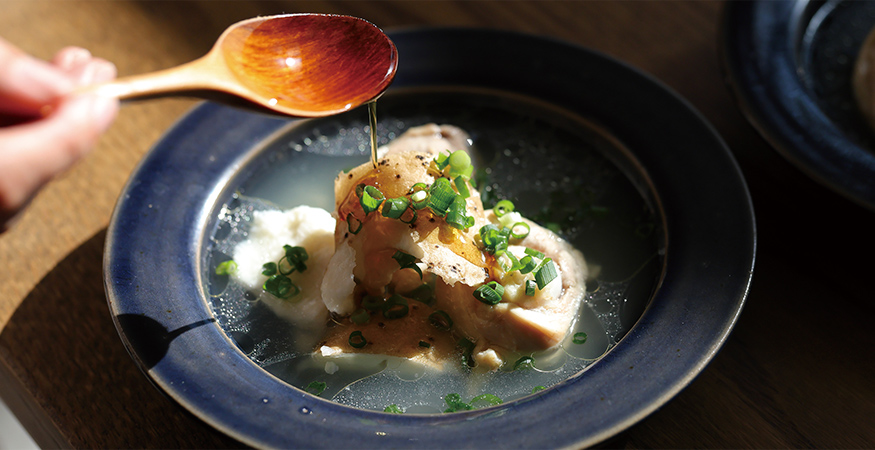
704,314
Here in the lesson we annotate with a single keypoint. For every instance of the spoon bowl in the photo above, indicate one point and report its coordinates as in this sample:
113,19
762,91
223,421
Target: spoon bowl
301,65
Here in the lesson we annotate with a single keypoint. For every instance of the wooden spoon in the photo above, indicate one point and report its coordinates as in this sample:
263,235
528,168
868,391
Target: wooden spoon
302,65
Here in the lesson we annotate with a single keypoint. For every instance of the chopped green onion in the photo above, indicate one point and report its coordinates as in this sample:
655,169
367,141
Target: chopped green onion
442,160
521,235
455,403
407,262
424,344
393,409
538,388
545,273
396,307
316,387
535,253
515,263
530,288
356,340
527,264
503,207
459,160
526,362
373,303
360,317
281,286
457,213
423,293
418,187
419,199
269,269
395,207
295,257
461,186
579,338
488,399
495,240
371,199
467,347
413,214
228,267
441,196
489,293
354,224
440,320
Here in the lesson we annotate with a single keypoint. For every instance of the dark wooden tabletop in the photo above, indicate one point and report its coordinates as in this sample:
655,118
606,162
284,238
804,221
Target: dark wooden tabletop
796,372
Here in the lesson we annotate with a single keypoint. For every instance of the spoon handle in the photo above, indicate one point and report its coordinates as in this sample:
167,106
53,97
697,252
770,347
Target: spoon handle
190,78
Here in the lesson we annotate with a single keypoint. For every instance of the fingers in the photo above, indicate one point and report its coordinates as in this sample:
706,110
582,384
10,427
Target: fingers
84,69
33,153
27,83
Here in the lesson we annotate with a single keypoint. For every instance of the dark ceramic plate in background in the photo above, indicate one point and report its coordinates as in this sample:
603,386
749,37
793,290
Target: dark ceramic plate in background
158,252
789,64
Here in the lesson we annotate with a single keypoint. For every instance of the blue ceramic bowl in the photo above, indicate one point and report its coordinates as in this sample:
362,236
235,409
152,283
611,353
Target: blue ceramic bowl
790,64
158,254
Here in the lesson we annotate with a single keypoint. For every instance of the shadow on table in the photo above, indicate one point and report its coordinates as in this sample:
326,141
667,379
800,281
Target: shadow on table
62,347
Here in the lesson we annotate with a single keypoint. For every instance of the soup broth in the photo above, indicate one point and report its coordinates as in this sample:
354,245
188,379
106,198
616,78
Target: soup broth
559,170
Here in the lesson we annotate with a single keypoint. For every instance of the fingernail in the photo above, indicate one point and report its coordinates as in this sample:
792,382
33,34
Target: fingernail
39,78
72,57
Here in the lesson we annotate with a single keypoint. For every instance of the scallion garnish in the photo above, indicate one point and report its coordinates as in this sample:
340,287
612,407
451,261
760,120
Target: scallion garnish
269,269
530,288
495,240
419,199
459,160
441,161
423,293
316,387
526,229
441,196
227,268
457,213
579,338
485,400
502,207
371,199
407,261
538,388
295,258
489,293
461,186
360,317
396,307
353,224
527,264
393,409
440,320
356,340
545,273
281,286
454,403
535,253
393,208
467,347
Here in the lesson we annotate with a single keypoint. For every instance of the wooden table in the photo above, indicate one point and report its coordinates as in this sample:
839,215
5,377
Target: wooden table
796,372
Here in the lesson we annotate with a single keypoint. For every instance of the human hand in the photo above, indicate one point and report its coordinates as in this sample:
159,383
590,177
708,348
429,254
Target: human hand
51,126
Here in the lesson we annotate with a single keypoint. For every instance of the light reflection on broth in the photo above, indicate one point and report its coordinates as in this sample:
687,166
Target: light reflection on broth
556,168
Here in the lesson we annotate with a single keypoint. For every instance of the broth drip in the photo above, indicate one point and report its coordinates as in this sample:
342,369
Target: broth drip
372,120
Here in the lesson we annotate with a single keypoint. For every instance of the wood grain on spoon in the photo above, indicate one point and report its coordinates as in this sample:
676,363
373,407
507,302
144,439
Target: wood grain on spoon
303,65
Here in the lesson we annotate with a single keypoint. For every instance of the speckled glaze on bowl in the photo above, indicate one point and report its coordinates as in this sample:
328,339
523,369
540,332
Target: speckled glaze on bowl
154,260
789,64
